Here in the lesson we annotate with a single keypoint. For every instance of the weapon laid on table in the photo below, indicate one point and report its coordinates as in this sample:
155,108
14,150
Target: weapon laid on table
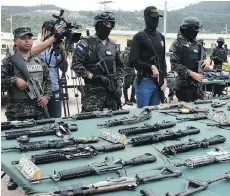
198,185
194,118
60,129
192,144
34,89
97,114
75,153
186,111
203,101
110,185
146,128
217,156
165,106
147,192
224,98
218,104
48,144
26,123
144,115
98,168
168,135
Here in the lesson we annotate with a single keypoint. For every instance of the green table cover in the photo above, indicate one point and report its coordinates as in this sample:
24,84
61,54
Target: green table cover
174,185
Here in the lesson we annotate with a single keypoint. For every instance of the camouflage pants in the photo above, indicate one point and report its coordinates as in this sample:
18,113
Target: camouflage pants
96,98
23,109
128,81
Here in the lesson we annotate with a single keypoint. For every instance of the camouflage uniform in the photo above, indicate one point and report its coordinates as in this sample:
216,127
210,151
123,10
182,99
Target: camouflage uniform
129,76
95,96
219,56
21,107
179,62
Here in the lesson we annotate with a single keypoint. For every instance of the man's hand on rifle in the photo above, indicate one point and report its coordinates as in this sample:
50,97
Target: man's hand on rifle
155,72
21,84
42,101
164,86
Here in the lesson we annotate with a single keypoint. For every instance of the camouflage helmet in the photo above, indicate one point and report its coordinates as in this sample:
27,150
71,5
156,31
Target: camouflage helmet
191,22
220,39
104,17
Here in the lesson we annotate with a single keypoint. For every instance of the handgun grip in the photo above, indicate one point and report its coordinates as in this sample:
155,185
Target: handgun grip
143,159
147,192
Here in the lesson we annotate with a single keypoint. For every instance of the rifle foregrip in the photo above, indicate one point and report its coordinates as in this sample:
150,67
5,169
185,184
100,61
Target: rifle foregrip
73,127
44,121
47,158
118,112
130,131
191,131
110,148
76,172
147,192
6,126
143,159
218,139
167,125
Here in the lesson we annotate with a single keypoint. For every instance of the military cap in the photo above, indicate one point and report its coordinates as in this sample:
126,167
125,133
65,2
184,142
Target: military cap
21,31
152,11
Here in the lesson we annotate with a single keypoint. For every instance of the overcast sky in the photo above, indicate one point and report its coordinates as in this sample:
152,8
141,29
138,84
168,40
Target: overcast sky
94,5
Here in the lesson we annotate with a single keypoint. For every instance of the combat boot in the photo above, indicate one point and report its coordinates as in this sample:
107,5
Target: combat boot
12,185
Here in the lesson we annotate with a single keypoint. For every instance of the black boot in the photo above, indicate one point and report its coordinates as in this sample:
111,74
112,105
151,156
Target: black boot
12,185
132,98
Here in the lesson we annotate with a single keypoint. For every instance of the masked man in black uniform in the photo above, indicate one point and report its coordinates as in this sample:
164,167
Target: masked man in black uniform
93,55
186,52
147,55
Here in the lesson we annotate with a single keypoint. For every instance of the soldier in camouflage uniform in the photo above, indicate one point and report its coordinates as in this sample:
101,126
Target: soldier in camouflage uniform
186,52
219,54
86,65
19,105
129,75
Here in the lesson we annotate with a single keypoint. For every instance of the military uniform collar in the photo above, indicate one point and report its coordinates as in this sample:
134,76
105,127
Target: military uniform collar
99,39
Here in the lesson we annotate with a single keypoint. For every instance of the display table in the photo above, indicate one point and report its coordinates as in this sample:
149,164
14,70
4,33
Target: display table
174,185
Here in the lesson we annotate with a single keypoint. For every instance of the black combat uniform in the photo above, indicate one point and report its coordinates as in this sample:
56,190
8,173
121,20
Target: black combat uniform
186,52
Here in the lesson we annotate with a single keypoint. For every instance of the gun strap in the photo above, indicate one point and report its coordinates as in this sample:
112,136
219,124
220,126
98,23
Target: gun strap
19,62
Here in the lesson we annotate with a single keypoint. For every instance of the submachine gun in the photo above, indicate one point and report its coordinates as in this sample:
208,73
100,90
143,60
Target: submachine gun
99,167
34,89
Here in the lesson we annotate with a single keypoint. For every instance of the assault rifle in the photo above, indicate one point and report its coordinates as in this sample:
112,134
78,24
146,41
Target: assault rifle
165,106
186,111
69,154
26,123
110,185
217,156
59,129
144,115
192,144
146,128
34,89
203,101
97,114
198,185
218,104
98,168
168,135
109,81
48,144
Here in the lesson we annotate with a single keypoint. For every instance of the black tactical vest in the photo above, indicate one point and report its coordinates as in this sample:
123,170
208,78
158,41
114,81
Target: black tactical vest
191,55
107,52
35,69
221,53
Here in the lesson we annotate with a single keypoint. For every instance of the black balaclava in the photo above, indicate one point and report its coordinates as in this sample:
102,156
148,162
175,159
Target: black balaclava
151,22
102,31
220,44
189,33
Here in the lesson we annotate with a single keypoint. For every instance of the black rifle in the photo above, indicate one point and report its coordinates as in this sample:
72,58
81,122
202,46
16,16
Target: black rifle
34,90
168,135
146,128
144,115
147,192
191,145
185,111
97,114
110,185
109,81
203,101
198,185
99,168
69,154
26,123
194,118
48,144
59,129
